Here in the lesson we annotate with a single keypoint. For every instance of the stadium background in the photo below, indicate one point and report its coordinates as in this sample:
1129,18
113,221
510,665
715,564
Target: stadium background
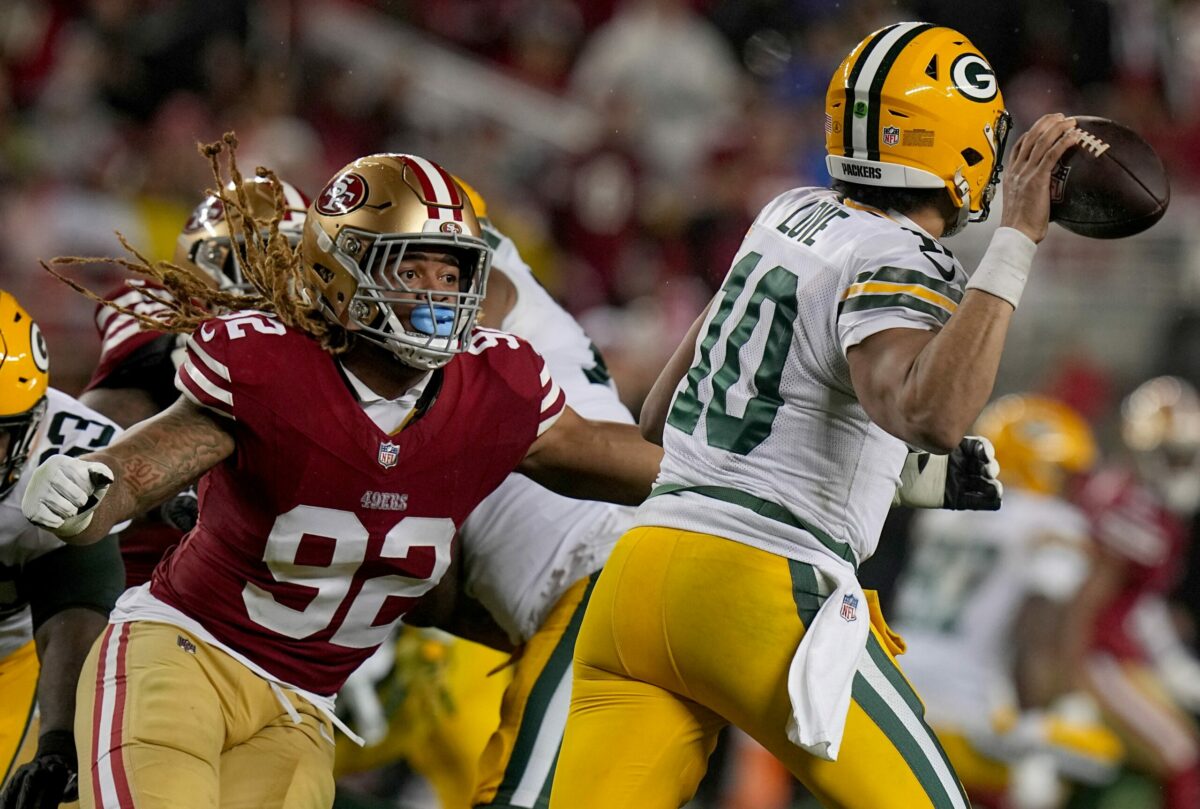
624,144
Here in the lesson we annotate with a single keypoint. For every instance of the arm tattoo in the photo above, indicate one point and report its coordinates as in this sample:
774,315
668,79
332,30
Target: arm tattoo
160,456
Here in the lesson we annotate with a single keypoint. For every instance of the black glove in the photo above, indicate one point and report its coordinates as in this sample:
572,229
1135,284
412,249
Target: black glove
50,779
181,510
971,477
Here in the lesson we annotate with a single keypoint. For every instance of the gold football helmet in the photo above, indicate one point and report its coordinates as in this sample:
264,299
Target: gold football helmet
204,247
359,229
24,378
915,105
1160,424
1040,442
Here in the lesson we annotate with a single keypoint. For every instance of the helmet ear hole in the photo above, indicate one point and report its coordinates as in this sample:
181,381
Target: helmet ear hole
972,156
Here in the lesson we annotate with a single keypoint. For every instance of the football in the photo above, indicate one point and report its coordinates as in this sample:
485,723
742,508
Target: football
1111,185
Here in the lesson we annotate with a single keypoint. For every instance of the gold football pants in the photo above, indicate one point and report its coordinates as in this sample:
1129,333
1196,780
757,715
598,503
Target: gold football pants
18,694
518,764
164,719
686,632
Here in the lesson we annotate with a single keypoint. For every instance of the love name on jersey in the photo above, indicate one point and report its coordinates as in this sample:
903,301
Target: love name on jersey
804,223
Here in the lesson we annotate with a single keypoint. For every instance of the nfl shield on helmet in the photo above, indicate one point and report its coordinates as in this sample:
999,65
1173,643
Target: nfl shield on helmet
915,105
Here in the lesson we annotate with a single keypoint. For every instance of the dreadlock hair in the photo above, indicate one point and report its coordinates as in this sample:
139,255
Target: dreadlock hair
271,265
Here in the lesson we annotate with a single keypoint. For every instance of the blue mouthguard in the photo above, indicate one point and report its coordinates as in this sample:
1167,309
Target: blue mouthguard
436,320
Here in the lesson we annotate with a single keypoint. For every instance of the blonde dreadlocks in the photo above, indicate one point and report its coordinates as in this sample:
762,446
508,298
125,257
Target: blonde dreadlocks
271,265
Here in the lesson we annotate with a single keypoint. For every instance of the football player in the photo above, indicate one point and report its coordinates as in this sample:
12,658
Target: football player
1130,654
342,440
843,330
134,378
54,597
529,556
982,606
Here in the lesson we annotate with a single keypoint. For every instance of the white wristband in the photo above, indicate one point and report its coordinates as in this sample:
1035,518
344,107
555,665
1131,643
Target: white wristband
1004,268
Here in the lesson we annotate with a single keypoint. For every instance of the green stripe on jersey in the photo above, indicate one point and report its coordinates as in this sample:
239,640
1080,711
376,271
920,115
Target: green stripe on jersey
899,275
865,302
766,508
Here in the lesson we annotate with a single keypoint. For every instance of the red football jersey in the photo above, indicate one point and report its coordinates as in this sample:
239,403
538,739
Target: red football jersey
122,336
1130,521
133,356
321,531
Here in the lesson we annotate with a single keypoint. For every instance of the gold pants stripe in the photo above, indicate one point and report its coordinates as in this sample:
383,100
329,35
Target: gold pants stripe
164,719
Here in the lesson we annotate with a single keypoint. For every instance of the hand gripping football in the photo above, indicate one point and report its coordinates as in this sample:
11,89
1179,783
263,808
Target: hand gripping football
1109,186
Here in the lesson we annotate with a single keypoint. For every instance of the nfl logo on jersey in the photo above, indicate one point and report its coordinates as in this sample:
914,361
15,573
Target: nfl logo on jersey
389,453
849,608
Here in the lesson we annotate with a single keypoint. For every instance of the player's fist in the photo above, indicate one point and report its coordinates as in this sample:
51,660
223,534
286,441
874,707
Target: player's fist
972,476
48,780
964,479
63,494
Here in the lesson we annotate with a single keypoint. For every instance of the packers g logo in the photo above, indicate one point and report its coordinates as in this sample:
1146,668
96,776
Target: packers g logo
973,77
37,345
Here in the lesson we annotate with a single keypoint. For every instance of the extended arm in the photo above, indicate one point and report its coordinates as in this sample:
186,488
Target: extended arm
653,418
927,387
155,459
593,460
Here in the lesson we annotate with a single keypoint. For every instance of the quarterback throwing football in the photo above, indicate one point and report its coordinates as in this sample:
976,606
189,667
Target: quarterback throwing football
843,330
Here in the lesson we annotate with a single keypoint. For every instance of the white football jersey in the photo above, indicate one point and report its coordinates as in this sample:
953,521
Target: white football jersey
69,427
766,442
524,545
968,575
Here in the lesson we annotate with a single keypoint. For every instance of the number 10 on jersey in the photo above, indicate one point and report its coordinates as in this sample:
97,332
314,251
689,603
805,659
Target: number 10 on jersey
752,327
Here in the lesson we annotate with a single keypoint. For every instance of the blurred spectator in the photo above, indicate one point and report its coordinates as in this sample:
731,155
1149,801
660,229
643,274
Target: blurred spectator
673,69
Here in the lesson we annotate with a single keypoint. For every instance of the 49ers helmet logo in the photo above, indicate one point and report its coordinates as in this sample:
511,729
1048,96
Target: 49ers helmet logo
974,77
344,194
206,213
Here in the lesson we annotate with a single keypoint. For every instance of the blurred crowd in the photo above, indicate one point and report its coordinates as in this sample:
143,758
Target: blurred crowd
625,144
